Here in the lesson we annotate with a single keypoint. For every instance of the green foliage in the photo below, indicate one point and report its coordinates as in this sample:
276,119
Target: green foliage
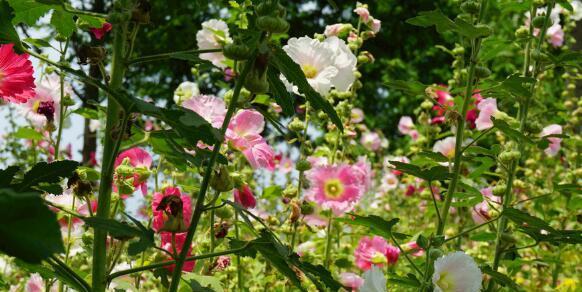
46,173
540,230
124,231
279,91
30,230
7,32
435,173
376,224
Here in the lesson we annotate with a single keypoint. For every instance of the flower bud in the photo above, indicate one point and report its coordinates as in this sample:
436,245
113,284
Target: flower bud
426,105
238,52
522,33
482,72
295,211
257,82
303,165
499,189
435,253
296,125
538,21
485,28
272,24
306,208
221,180
471,7
223,213
290,191
539,3
458,51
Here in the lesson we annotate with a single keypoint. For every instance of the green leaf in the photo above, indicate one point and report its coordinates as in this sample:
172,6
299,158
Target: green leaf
63,22
146,238
517,85
409,281
279,91
434,17
40,43
115,228
29,230
295,75
436,173
88,113
272,192
500,278
28,134
200,283
47,173
466,29
7,175
69,277
90,21
565,4
510,132
413,88
434,156
192,57
483,236
29,11
376,224
540,230
8,34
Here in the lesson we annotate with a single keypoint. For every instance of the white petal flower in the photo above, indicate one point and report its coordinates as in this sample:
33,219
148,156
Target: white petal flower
374,280
213,35
456,272
345,62
577,14
185,91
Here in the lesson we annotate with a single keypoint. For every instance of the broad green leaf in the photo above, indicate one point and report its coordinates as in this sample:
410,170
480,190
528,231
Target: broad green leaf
8,34
510,132
501,279
146,238
63,22
29,11
468,30
115,228
540,230
69,277
202,283
434,156
565,4
279,91
29,230
40,43
7,175
434,17
272,192
192,57
376,224
413,88
436,173
28,133
47,173
517,85
90,21
483,236
291,70
409,281
88,113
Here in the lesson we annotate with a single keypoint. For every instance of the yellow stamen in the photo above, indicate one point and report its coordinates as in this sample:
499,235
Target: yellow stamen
333,188
309,71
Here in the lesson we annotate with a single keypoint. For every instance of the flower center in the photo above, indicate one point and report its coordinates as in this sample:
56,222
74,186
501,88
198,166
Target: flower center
445,283
47,109
309,71
333,188
1,75
379,258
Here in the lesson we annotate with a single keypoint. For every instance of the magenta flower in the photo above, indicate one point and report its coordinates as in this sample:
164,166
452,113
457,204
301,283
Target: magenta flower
487,109
171,210
180,239
209,107
100,32
351,280
16,80
141,161
245,197
555,142
244,134
335,187
375,251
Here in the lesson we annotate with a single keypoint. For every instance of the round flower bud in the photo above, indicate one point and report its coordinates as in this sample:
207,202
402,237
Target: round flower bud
272,24
257,82
458,51
538,21
486,29
471,7
539,56
290,191
522,33
482,72
223,213
539,3
306,208
303,165
499,190
426,105
296,125
222,181
505,157
237,51
435,253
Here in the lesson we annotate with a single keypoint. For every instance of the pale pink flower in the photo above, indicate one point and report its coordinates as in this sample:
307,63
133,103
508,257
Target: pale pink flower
244,134
363,170
180,239
315,221
357,115
209,107
389,182
414,249
171,210
555,142
43,108
376,25
405,125
352,37
351,280
245,197
333,30
16,80
35,283
481,211
487,108
307,247
286,165
371,141
100,32
391,167
375,251
363,13
556,35
221,263
139,159
213,35
414,135
317,161
445,146
335,187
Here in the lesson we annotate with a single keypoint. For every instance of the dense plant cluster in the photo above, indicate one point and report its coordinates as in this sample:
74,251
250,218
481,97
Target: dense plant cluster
263,172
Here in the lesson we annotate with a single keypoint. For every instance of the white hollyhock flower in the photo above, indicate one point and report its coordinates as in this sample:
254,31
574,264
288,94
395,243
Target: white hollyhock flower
213,35
456,272
185,91
577,14
374,280
325,64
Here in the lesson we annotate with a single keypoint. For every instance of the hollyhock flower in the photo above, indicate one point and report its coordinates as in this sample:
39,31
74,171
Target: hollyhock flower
371,141
243,134
16,80
185,91
374,280
357,115
363,13
100,32
315,221
325,64
209,107
456,271
141,161
405,125
446,147
245,197
351,280
286,165
180,239
577,14
375,25
43,108
35,283
221,263
555,35
363,170
307,247
555,142
487,109
388,182
171,210
391,167
333,30
317,161
414,249
375,251
335,187
481,212
213,35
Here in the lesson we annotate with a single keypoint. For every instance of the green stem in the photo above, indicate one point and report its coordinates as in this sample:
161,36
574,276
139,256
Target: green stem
238,264
62,108
199,208
471,229
301,172
406,255
164,56
328,242
113,132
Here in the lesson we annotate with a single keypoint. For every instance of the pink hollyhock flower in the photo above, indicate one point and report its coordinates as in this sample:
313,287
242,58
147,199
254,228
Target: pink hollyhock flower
335,187
35,283
371,141
333,30
286,165
352,37
556,35
391,167
389,182
307,247
171,210
375,25
180,239
100,32
414,249
351,280
487,108
445,146
405,125
209,107
315,221
481,212
555,142
375,251
363,170
221,263
245,197
141,161
229,74
43,107
317,161
244,134
363,13
357,115
16,80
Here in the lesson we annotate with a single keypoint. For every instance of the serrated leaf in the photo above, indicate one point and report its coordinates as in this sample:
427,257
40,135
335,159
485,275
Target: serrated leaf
272,192
47,173
29,230
413,88
29,11
28,133
376,224
279,91
115,228
435,173
200,283
433,18
483,236
514,84
7,32
539,229
40,43
500,278
510,132
90,21
7,175
63,22
468,30
291,70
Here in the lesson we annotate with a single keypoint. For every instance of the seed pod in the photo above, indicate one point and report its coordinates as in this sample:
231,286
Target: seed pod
482,72
499,190
303,165
522,33
306,208
221,180
485,28
471,7
223,213
272,24
238,52
435,253
290,191
295,211
538,21
296,125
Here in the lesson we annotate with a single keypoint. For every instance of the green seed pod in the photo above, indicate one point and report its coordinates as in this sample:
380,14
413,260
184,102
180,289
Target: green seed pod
471,7
435,253
426,105
539,56
303,165
306,208
482,72
221,181
238,52
257,82
522,33
272,24
499,189
485,28
290,191
459,51
223,213
505,157
296,125
538,21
